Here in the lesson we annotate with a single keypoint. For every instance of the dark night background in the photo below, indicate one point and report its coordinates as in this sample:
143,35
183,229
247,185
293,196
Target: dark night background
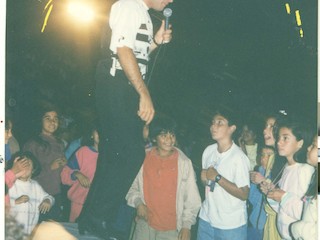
246,55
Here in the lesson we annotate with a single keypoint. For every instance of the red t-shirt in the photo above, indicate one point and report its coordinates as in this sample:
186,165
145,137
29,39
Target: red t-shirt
160,176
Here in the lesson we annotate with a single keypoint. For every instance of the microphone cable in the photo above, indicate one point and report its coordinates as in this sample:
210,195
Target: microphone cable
154,62
167,13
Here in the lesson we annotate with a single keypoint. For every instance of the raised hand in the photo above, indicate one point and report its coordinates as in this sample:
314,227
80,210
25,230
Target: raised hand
163,35
19,166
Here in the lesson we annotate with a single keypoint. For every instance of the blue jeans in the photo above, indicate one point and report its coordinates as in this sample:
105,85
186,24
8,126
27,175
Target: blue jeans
207,232
255,234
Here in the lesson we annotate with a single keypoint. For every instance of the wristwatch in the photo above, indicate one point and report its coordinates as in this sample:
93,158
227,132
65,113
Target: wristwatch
218,177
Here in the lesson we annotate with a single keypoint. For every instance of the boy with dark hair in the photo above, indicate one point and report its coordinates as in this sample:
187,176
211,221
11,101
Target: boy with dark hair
164,192
225,172
258,215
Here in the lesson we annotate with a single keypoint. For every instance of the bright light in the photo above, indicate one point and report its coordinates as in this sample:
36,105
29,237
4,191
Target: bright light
288,8
298,18
81,11
283,112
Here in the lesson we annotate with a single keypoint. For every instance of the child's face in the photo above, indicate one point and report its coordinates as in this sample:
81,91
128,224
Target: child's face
220,128
265,156
27,171
312,154
268,132
287,143
165,143
50,123
248,135
8,132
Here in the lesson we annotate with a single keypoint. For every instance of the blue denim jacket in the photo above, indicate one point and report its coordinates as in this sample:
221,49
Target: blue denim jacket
258,216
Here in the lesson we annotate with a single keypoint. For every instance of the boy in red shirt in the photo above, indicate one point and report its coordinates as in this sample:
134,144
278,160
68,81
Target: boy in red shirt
164,192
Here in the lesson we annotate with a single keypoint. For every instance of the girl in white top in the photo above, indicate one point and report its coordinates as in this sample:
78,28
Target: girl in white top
27,197
306,228
293,141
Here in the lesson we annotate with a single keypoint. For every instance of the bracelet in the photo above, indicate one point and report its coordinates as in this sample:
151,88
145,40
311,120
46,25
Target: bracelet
156,43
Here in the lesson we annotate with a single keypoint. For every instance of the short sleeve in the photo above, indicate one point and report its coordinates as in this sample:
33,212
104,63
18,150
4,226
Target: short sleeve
124,23
242,177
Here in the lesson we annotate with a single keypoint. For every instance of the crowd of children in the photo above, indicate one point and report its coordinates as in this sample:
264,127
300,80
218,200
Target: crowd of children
252,189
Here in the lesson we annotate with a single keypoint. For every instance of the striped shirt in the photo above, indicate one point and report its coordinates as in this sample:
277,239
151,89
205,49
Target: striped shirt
132,27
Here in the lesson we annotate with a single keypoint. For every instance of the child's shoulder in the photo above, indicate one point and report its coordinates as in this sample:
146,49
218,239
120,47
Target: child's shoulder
305,167
85,149
210,148
34,182
182,155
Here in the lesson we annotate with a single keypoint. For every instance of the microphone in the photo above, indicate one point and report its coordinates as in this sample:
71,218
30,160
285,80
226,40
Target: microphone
167,12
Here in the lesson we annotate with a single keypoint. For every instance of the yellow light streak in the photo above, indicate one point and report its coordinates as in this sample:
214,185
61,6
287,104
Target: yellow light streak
288,8
46,18
298,18
301,33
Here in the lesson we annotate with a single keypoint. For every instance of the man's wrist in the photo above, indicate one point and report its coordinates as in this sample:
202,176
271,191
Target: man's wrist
157,44
217,178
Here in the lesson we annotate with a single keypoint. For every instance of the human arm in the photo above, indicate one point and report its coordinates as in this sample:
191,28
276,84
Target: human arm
125,21
266,186
285,202
17,170
293,188
142,212
203,177
57,163
238,192
80,167
19,166
289,203
66,175
70,176
256,177
130,66
306,228
276,194
162,36
47,200
184,234
45,206
21,199
83,179
189,200
134,196
48,157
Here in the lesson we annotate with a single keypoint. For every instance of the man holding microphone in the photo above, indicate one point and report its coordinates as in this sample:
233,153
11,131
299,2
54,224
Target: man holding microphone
124,106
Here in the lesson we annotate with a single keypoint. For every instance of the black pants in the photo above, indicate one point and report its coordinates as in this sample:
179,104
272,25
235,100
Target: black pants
121,148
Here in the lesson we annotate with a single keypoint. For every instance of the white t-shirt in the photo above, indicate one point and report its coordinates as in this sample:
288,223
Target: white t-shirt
221,209
132,27
294,181
27,213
